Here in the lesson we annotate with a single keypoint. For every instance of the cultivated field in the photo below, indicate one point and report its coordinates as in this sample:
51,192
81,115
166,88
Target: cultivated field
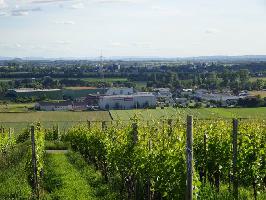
201,113
262,93
67,119
13,107
48,119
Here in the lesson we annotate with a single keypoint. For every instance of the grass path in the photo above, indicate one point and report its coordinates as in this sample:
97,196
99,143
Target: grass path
67,176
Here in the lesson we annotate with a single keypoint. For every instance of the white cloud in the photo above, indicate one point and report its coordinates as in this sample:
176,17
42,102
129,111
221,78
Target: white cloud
141,44
48,1
77,6
166,11
18,45
19,13
116,1
3,4
3,14
211,31
115,44
68,22
63,42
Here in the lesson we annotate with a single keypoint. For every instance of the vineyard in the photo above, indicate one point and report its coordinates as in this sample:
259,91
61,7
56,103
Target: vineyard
169,159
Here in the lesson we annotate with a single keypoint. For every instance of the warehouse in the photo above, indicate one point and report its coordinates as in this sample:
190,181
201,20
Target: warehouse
138,100
54,106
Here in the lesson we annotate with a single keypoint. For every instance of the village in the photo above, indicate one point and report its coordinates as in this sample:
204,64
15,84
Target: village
90,98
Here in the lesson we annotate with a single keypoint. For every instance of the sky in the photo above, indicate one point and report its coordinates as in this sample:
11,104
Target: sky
142,28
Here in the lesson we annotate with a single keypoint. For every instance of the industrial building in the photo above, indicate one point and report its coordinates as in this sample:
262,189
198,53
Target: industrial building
137,100
119,91
54,106
61,106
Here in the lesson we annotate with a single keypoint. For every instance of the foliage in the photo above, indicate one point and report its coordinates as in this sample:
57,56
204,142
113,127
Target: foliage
151,162
39,151
7,140
156,158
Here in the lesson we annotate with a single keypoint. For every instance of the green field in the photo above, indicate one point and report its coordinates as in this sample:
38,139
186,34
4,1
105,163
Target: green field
201,113
48,119
261,93
23,107
109,80
253,79
68,119
5,79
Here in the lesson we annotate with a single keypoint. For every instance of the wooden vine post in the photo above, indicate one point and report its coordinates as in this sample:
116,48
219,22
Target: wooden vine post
34,162
9,133
104,125
2,129
189,152
135,133
170,123
235,179
89,124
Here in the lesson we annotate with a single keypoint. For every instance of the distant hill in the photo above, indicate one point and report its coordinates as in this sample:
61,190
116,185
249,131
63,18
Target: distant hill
218,58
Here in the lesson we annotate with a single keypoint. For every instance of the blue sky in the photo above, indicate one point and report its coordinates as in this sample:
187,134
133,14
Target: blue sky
165,28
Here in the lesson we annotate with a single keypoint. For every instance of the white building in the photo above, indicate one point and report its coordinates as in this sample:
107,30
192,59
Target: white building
54,106
119,91
163,93
223,97
138,100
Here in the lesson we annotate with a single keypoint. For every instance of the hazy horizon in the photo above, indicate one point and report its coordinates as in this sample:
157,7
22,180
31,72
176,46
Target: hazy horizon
132,28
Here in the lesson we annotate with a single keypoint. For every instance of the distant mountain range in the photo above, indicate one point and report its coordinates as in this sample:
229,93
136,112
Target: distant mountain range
154,58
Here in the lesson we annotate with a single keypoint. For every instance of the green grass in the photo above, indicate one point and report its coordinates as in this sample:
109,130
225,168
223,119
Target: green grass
63,181
13,107
253,79
140,84
68,119
201,113
69,177
109,80
63,119
5,79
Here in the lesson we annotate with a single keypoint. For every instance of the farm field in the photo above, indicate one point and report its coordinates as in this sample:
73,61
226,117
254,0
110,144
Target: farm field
109,80
201,113
261,93
68,119
63,119
253,79
5,79
22,107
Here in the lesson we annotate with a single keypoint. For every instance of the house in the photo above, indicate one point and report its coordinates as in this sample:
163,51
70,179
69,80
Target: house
186,92
162,93
54,106
79,106
92,100
137,100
